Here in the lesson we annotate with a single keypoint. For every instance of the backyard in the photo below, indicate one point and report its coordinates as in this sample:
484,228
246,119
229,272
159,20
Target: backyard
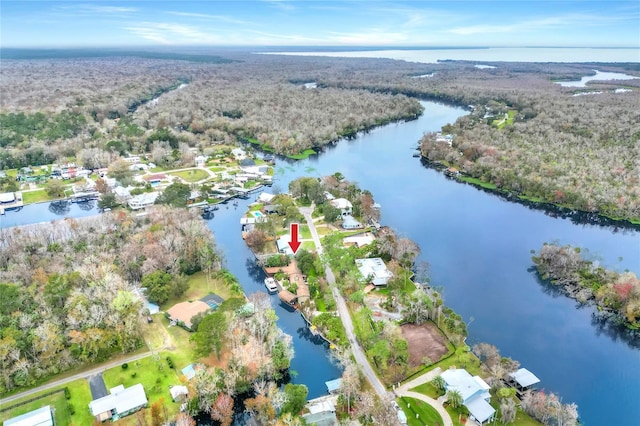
192,175
419,413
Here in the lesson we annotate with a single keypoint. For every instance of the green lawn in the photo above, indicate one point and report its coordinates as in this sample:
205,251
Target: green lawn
153,373
35,196
476,181
308,245
57,401
217,169
198,288
305,233
427,414
301,156
193,175
80,396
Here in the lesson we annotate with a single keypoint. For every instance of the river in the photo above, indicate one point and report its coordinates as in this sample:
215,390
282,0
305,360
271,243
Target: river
478,246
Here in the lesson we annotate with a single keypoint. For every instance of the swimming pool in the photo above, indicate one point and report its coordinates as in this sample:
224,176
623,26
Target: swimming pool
257,214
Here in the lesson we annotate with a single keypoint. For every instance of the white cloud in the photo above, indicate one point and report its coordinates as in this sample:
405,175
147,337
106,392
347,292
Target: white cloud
222,18
169,33
285,5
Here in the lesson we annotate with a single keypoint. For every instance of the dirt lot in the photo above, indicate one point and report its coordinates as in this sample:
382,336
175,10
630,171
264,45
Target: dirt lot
424,340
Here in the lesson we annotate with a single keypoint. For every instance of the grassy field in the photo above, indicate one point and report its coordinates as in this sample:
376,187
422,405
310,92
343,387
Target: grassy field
427,414
155,376
35,196
198,288
477,182
80,396
304,154
191,176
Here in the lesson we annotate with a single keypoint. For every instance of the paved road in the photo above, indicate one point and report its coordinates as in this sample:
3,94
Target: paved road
358,353
84,374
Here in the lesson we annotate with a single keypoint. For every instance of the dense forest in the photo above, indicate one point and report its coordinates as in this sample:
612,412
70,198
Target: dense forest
70,290
525,134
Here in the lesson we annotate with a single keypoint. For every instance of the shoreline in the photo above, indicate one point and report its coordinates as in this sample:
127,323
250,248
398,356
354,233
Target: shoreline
577,216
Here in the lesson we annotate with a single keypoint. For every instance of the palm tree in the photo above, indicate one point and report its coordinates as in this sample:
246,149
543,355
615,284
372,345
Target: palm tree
454,398
438,383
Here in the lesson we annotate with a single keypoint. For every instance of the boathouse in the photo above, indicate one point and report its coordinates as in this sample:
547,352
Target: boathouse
287,297
523,379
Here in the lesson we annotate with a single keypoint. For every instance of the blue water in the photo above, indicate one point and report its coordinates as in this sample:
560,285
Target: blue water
478,246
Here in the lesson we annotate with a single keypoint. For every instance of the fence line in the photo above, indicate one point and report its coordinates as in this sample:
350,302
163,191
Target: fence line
35,398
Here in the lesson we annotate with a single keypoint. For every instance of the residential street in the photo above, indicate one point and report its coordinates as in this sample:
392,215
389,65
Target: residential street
83,375
358,353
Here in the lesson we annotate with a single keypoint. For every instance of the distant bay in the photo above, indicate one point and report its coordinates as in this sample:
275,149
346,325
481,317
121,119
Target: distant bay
490,54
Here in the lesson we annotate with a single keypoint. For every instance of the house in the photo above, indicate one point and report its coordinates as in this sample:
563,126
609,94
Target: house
189,372
178,393
349,222
374,270
283,244
119,403
183,312
342,204
287,297
7,197
155,179
323,418
523,379
132,159
143,200
359,240
265,198
40,417
333,386
201,161
474,392
239,153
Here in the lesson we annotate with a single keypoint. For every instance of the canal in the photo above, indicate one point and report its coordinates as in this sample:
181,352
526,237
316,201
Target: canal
478,246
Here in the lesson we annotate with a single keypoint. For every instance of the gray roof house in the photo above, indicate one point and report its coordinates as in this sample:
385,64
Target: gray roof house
121,402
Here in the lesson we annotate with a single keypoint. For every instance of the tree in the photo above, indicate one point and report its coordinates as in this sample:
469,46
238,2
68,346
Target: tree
157,413
508,410
296,398
54,188
331,213
101,186
350,384
305,260
175,195
121,171
261,407
256,239
107,201
454,398
184,419
222,409
439,383
158,285
211,334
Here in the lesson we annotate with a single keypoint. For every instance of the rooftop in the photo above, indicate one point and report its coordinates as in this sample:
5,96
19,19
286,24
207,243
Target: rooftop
121,400
40,417
333,385
469,386
524,378
184,311
374,268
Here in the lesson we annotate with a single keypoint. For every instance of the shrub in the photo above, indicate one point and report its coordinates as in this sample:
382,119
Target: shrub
125,366
170,362
71,409
67,394
133,375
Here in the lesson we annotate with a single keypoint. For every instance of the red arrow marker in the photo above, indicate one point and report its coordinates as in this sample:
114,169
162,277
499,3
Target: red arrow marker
294,243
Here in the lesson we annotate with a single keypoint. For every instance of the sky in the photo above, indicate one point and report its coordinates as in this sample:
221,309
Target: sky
49,24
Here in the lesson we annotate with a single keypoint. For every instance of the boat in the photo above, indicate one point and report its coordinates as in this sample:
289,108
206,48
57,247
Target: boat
271,284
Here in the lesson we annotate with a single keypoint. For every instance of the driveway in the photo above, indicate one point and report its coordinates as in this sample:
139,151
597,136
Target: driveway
98,388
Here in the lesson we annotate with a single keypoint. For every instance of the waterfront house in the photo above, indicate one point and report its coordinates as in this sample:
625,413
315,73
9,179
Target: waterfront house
474,391
349,222
359,240
323,418
143,200
40,417
239,153
374,270
342,204
7,197
265,198
523,379
333,386
119,403
283,244
182,313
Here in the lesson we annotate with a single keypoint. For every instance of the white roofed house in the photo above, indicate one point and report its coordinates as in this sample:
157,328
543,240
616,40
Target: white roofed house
40,417
474,392
119,403
374,270
523,379
239,153
342,204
